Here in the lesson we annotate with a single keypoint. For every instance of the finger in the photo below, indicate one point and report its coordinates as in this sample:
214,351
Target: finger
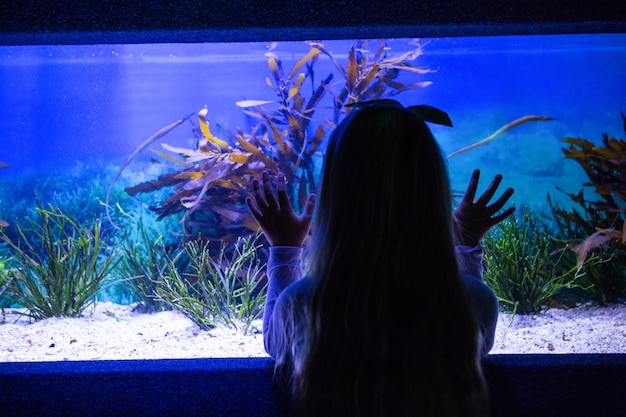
490,191
268,191
283,199
258,193
472,185
500,217
309,207
254,210
501,201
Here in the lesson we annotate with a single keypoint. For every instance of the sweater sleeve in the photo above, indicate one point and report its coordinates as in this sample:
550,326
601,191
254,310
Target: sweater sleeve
470,260
284,267
482,300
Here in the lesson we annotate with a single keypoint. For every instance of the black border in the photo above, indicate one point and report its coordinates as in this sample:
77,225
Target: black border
25,22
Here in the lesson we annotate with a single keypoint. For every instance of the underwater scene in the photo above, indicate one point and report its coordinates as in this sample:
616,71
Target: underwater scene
124,168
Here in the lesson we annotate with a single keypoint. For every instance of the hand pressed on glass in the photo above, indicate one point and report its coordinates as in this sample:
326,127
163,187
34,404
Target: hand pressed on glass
472,219
271,209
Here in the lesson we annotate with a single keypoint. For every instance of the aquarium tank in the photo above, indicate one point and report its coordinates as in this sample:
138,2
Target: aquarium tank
123,167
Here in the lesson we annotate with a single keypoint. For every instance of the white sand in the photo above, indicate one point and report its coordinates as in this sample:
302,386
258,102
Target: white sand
585,329
116,332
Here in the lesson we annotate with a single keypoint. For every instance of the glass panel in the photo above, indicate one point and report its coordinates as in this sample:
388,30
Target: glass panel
72,116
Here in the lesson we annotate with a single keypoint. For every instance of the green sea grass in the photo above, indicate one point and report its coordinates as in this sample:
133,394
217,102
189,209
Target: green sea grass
526,268
4,285
58,265
230,287
144,253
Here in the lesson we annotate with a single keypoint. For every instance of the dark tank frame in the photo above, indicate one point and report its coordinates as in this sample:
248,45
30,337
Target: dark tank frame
521,385
26,22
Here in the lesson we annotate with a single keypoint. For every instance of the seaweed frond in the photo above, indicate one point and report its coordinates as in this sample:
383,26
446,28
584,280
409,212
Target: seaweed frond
598,227
210,189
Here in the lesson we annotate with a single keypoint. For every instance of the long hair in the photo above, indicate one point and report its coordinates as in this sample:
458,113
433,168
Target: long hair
390,331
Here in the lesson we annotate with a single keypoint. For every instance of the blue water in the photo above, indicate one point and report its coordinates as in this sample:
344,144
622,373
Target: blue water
63,108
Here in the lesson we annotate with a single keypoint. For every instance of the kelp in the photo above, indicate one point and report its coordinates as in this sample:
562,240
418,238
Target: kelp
606,169
368,77
599,227
157,135
503,129
210,188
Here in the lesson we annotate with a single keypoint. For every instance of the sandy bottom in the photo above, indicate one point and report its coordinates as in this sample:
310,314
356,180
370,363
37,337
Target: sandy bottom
116,332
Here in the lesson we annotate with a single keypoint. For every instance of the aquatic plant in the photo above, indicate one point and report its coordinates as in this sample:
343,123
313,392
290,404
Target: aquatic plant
143,253
3,223
4,285
78,192
216,177
372,77
525,267
208,289
4,279
503,129
58,266
598,227
157,135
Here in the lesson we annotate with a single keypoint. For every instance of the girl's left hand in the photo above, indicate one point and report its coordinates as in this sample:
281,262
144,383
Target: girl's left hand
271,209
472,219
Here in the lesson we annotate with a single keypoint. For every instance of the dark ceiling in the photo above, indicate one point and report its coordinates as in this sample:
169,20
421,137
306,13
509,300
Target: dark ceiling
90,21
